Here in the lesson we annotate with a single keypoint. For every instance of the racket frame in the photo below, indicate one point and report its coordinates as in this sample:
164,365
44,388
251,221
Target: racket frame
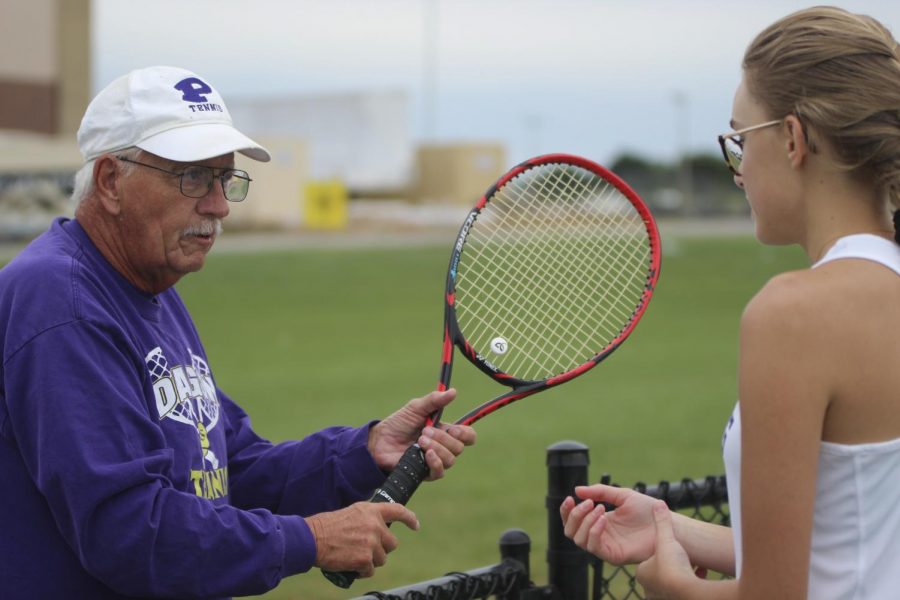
453,336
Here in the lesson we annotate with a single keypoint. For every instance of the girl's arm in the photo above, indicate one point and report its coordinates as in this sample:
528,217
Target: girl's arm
785,370
627,535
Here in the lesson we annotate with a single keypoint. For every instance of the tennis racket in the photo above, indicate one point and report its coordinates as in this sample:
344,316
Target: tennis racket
551,271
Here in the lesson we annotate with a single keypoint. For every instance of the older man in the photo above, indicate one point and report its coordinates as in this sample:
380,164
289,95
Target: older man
126,470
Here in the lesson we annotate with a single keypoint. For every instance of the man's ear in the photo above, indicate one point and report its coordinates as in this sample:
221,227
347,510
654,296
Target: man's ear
106,183
796,144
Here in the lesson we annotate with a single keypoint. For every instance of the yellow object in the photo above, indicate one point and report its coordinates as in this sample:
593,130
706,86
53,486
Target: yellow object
325,204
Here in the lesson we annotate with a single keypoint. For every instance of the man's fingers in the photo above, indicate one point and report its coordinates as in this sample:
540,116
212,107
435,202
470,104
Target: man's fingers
463,433
447,447
389,542
436,464
442,446
434,401
391,512
357,538
379,553
454,438
366,572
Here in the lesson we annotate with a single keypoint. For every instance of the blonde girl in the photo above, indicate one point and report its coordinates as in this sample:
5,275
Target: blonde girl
812,450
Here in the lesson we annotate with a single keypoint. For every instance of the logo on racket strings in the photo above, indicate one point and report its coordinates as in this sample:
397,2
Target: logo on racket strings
499,345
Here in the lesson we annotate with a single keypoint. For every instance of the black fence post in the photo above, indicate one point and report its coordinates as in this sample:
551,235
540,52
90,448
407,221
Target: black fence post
516,545
567,466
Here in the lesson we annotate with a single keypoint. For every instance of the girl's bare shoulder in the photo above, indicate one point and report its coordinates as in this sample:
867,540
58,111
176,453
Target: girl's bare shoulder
825,301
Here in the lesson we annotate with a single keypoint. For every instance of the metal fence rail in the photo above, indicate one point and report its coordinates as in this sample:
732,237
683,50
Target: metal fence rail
506,580
569,567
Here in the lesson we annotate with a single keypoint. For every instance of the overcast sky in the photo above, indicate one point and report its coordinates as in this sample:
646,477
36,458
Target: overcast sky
591,77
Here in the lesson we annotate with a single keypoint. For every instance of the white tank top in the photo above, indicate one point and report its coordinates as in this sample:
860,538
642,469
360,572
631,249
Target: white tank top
855,551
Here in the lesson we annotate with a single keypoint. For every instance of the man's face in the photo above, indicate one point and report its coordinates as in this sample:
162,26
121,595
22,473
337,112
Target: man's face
165,233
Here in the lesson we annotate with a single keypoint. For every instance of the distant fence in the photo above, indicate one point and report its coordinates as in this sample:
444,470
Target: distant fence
569,567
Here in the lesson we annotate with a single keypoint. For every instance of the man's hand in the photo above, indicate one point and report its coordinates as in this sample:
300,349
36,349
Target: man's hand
390,438
357,538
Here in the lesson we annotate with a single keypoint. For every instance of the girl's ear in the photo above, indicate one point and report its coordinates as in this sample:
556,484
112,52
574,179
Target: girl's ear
796,144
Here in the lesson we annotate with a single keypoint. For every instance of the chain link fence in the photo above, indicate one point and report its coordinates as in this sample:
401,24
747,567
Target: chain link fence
569,567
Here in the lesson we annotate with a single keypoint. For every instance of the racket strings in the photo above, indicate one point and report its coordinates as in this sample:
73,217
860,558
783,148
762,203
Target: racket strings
581,262
520,302
559,347
549,263
553,314
556,264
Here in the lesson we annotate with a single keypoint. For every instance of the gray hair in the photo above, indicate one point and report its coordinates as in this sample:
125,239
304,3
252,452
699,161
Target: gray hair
84,177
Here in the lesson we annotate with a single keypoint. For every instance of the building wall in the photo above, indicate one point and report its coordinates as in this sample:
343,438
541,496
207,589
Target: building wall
361,138
457,173
74,75
275,200
44,64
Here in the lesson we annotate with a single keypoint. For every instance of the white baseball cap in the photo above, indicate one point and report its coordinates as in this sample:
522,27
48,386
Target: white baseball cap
166,111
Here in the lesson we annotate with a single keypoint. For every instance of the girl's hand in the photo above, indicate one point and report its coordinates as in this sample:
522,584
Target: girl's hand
625,535
668,571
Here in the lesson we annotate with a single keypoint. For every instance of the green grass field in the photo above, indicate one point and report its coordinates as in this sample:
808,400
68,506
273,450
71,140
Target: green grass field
311,338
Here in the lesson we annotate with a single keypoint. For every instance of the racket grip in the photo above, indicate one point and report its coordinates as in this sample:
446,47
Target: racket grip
398,488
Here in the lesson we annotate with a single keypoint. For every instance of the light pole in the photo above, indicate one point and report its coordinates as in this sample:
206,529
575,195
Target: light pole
683,143
429,93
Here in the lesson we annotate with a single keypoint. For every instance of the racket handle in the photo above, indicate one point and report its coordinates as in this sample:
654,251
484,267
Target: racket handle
398,488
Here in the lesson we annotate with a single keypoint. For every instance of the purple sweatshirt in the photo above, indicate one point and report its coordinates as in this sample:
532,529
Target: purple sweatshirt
125,470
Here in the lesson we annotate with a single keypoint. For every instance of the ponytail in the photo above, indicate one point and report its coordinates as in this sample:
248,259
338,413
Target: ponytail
897,225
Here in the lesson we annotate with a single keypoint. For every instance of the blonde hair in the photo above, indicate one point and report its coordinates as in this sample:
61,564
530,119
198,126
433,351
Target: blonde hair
839,73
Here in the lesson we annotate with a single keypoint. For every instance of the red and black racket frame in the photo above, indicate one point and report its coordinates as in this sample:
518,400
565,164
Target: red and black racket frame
453,337
412,469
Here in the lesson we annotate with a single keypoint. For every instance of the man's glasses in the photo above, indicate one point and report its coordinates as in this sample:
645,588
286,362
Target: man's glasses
733,145
197,180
